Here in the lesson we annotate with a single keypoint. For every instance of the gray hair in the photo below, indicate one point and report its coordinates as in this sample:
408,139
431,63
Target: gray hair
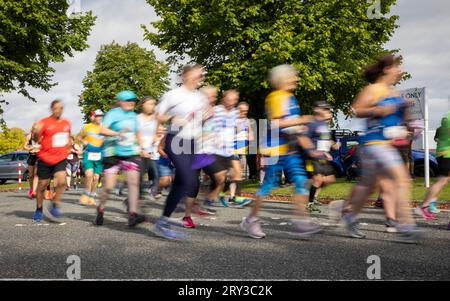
280,73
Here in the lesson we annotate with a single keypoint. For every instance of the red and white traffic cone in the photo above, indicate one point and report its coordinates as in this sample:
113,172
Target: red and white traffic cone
19,168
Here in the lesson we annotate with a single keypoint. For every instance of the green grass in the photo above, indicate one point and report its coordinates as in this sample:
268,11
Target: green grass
14,184
341,189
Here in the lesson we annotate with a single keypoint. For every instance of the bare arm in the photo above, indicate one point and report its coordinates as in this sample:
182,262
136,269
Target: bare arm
363,106
161,146
294,121
108,132
26,146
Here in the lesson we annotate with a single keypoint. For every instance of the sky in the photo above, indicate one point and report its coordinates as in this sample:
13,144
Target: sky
422,39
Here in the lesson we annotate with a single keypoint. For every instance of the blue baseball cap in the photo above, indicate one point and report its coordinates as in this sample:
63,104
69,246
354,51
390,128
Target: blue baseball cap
127,95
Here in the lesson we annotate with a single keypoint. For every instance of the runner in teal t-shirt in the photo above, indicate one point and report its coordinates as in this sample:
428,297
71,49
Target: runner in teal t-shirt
121,151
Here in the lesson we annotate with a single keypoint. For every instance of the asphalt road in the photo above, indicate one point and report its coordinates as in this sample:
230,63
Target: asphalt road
218,249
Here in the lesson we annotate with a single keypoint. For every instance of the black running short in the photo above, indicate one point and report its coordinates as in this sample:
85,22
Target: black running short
322,167
47,171
443,166
32,158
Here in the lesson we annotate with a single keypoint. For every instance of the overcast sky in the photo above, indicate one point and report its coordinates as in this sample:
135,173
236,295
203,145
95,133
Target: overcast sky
423,38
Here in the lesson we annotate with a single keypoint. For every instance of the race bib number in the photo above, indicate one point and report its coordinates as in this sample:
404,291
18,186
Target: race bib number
94,156
60,140
128,139
324,145
395,132
70,157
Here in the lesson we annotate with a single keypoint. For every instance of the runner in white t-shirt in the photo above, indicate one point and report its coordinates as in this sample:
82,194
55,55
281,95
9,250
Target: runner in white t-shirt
183,107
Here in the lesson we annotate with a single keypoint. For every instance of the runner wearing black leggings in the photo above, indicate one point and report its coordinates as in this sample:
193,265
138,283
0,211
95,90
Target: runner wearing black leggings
183,108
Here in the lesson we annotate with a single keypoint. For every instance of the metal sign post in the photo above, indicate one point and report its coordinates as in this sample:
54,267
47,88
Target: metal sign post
427,145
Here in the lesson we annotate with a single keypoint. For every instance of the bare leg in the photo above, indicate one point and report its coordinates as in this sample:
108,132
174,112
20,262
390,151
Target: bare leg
190,202
237,176
31,176
132,177
68,177
434,191
220,184
59,185
94,184
35,180
41,187
403,193
89,177
256,206
300,205
109,182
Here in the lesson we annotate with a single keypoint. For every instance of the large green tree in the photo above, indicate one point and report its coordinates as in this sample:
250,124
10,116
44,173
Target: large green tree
33,35
122,67
11,140
239,41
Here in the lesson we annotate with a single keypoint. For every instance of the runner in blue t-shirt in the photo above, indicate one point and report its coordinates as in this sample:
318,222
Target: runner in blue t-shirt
121,151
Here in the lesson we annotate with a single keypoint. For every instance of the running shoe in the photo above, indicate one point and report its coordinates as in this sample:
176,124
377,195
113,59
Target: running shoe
92,202
99,218
425,213
208,202
253,228
30,194
223,202
313,207
135,219
352,228
242,202
305,228
188,222
409,234
38,215
162,229
391,225
84,199
55,212
379,203
433,208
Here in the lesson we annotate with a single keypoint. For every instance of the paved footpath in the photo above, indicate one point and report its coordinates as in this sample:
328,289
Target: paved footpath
218,249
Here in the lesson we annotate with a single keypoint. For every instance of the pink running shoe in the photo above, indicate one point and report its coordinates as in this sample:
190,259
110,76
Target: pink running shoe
188,222
425,213
30,194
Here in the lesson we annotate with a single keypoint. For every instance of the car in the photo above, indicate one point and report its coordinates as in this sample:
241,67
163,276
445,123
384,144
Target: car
9,166
419,163
346,160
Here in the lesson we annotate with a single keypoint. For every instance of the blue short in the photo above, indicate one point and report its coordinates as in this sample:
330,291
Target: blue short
165,168
294,170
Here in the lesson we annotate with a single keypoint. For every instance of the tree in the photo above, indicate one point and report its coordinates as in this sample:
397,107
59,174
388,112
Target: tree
239,41
117,68
11,140
33,35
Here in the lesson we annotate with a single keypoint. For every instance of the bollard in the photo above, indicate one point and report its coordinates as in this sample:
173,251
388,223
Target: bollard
19,169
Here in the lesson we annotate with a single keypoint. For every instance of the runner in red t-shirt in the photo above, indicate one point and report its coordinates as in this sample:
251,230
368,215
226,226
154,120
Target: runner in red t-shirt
53,134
